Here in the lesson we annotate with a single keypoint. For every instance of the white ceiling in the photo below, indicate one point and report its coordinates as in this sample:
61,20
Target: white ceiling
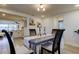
31,9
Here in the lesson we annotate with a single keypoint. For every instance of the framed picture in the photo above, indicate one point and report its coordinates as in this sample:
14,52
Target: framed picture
31,22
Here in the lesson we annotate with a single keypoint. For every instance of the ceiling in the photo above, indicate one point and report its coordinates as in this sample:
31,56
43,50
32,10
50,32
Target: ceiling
10,17
31,9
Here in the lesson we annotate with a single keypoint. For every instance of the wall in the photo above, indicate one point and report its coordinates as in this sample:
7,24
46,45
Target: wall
71,23
20,32
48,23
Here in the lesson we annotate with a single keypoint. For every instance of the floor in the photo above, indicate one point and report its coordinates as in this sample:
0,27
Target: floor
68,49
18,41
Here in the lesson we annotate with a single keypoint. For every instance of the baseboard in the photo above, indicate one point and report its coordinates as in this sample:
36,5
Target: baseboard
74,45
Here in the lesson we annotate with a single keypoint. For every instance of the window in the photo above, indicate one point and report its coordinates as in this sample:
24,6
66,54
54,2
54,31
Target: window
9,27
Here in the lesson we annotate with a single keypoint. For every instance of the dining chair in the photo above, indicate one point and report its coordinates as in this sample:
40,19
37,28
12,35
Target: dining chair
15,49
54,31
55,46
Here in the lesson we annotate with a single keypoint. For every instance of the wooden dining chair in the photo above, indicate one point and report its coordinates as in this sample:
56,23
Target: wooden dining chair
55,46
16,49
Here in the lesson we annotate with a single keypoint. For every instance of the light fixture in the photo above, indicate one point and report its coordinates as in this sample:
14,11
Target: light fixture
41,8
77,5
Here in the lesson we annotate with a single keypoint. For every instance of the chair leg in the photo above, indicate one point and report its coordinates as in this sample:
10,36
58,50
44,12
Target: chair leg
32,53
53,52
59,51
41,50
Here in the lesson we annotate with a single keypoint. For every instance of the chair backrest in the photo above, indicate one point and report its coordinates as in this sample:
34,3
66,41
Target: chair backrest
57,39
12,49
11,33
54,31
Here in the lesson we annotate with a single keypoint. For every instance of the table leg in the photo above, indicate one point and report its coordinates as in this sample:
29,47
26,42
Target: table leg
30,45
34,48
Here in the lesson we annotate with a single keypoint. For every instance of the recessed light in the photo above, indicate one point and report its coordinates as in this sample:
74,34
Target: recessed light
3,14
77,5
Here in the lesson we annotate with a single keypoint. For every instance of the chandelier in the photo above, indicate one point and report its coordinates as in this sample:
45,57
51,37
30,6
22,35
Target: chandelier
41,8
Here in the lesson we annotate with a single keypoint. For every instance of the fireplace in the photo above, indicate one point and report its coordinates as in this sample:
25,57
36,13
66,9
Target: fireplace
32,32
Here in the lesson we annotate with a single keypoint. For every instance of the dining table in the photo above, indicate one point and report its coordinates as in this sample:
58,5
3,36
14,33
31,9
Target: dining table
35,41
